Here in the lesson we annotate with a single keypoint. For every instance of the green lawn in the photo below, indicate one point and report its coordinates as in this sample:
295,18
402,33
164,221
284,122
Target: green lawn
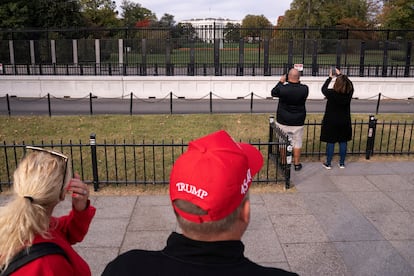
146,127
254,54
150,129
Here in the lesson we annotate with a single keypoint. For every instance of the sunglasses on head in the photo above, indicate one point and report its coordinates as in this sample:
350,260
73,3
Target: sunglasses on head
54,153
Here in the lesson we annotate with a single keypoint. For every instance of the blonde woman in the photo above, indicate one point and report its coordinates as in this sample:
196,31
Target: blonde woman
41,181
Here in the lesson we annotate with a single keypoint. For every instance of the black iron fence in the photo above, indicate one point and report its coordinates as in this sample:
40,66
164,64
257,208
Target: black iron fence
280,149
372,137
149,163
240,52
125,163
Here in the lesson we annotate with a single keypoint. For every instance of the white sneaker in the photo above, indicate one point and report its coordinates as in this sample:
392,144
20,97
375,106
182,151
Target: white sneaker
326,166
341,166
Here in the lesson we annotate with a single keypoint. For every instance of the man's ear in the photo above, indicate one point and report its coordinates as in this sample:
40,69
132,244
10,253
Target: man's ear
245,211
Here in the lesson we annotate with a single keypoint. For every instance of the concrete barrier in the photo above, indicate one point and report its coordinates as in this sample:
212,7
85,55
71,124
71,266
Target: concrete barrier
187,87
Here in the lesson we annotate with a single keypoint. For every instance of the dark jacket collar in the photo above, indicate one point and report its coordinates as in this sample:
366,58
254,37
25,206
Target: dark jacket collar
187,250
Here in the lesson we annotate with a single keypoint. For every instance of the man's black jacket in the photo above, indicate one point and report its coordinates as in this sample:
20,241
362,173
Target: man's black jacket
183,256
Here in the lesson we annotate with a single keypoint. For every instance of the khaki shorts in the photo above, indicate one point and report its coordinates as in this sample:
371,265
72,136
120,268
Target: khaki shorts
295,132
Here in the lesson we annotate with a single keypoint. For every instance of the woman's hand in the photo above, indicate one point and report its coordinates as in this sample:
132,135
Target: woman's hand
337,71
80,193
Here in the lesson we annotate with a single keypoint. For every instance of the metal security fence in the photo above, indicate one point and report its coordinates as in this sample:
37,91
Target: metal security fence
123,163
280,149
149,162
228,52
369,138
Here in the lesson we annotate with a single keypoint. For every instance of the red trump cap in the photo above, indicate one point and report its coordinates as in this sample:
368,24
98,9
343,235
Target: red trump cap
215,174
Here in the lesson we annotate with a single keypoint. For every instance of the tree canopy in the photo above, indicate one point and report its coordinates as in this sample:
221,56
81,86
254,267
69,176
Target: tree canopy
98,13
398,14
253,25
134,14
328,13
395,14
40,14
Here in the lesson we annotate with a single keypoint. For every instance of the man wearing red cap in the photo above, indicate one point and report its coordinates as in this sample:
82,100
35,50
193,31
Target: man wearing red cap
209,186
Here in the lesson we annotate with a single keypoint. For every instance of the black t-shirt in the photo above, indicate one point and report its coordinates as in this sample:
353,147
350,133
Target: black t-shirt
183,256
291,110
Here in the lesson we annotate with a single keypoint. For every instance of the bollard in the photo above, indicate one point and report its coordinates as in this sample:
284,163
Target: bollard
48,105
251,102
92,143
211,102
271,134
171,102
378,103
90,104
130,103
289,154
8,104
372,126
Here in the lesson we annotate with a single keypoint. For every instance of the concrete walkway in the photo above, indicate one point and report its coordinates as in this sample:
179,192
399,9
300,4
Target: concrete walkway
353,221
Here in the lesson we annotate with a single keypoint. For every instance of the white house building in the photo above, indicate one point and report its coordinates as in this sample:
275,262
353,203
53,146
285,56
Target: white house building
209,28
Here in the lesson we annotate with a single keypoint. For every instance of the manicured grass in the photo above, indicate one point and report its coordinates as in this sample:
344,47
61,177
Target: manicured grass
254,54
138,127
149,128
154,129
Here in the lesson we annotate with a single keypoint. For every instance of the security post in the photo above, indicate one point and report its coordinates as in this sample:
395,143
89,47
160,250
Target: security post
8,104
90,104
271,134
92,143
289,154
48,105
378,103
372,126
130,103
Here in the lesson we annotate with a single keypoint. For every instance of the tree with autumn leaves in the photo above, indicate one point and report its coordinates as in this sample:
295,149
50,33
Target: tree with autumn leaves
18,14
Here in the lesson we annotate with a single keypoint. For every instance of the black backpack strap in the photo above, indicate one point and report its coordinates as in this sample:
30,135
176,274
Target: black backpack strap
35,251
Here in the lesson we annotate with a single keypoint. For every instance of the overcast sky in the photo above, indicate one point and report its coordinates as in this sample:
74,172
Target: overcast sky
231,9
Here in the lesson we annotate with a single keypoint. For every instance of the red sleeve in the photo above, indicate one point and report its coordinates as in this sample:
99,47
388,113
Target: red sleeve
75,225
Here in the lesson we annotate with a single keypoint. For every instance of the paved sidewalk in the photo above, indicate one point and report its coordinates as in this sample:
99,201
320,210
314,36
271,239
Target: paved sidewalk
353,221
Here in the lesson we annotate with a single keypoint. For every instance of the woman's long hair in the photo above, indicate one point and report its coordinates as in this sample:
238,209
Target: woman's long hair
343,85
39,181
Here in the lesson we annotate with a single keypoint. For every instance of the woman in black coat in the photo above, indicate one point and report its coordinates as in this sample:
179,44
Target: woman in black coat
336,123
